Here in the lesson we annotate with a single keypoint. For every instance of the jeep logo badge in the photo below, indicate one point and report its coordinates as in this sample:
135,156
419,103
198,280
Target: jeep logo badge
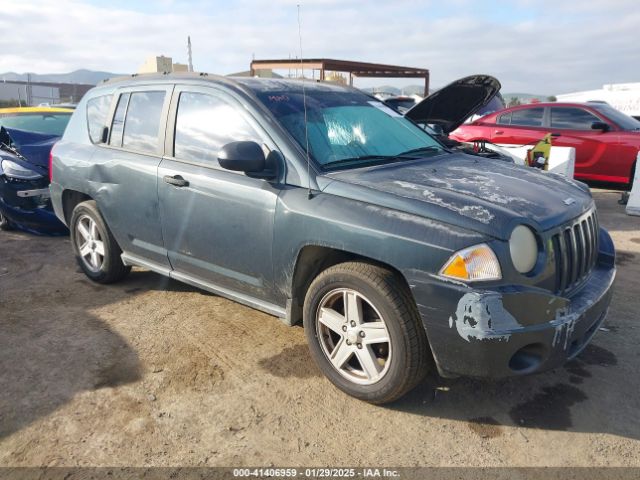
569,201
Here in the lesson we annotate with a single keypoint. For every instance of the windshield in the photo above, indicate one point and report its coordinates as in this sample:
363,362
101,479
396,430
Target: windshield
495,104
346,127
622,120
401,104
50,122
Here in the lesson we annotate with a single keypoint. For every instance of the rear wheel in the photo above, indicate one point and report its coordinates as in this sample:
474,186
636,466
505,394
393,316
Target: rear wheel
97,252
364,332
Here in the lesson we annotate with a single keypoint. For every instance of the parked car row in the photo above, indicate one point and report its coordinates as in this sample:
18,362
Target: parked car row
322,205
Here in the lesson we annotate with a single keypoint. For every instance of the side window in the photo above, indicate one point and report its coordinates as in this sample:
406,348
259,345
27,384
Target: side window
527,117
97,111
504,119
206,123
572,118
117,126
142,124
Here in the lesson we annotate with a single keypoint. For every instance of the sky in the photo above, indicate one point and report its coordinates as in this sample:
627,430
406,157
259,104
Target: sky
535,46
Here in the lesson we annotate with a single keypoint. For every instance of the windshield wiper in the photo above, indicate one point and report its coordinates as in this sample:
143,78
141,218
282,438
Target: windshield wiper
414,151
408,154
346,161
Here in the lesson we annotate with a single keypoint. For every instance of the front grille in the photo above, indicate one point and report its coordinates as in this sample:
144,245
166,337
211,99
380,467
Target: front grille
576,251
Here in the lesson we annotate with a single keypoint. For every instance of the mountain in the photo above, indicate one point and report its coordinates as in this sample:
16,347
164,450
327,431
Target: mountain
524,97
383,89
88,77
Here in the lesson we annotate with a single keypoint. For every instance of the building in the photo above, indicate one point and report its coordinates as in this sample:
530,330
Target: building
180,67
162,64
35,93
621,96
156,65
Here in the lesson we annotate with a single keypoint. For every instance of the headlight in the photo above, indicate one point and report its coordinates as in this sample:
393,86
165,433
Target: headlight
473,264
524,249
14,170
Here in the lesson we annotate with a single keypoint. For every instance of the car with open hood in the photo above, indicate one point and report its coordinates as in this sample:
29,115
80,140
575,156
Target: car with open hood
26,137
445,110
448,108
319,204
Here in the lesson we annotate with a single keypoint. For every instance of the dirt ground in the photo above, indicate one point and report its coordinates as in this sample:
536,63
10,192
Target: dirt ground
150,372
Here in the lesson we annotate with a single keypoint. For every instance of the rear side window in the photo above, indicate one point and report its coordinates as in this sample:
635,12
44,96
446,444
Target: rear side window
142,123
528,117
572,118
97,111
204,124
117,127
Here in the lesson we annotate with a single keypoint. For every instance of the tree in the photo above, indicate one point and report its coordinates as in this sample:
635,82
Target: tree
552,98
514,102
336,77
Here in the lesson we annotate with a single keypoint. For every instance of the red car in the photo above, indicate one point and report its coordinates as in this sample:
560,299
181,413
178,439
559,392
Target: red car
606,141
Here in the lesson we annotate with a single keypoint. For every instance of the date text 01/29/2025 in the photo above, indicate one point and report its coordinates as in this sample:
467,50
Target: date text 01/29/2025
315,472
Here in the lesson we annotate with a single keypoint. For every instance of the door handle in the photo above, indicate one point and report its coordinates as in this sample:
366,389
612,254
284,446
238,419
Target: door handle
176,181
498,132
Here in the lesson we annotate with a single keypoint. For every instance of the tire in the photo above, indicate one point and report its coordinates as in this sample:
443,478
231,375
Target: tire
97,252
5,223
394,366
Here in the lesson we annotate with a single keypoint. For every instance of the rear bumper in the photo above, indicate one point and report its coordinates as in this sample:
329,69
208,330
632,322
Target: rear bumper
511,330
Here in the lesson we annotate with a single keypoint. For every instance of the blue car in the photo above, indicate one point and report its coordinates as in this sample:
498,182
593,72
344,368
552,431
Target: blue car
25,201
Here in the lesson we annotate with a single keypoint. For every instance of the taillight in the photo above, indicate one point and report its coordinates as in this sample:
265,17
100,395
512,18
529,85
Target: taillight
51,164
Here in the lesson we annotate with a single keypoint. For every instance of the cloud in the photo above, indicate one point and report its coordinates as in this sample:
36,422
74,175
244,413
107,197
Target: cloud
536,46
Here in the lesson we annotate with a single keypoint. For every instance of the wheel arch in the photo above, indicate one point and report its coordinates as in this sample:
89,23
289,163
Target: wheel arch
314,259
70,199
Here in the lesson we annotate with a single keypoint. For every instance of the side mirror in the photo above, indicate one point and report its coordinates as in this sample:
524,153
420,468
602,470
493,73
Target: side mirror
245,157
600,126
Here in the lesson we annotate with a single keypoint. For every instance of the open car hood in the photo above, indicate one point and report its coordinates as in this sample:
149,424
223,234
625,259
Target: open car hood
450,106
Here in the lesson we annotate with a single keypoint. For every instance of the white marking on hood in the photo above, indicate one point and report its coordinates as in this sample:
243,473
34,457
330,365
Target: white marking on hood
423,222
475,212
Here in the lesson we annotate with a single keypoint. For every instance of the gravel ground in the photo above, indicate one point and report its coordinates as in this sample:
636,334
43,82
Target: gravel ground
150,372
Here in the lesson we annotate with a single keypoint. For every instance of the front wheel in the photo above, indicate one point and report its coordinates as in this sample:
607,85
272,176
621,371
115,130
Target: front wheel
364,332
97,252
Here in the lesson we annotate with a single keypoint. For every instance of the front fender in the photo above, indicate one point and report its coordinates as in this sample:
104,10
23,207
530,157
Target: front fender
406,242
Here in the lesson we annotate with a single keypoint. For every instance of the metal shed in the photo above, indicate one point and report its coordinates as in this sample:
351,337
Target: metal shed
354,69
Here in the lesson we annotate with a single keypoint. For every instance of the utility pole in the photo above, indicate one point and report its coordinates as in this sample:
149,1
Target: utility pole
29,91
189,53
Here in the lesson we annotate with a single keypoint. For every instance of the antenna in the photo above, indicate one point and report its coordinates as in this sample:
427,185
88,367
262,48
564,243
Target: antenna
189,53
304,104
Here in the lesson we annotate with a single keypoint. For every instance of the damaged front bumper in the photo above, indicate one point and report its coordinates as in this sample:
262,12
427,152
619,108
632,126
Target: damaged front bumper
512,330
27,205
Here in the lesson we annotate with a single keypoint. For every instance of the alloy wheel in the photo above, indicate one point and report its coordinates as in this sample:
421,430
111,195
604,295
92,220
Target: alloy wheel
90,243
353,336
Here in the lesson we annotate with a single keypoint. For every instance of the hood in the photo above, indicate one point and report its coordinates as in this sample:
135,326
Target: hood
34,147
450,106
485,195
